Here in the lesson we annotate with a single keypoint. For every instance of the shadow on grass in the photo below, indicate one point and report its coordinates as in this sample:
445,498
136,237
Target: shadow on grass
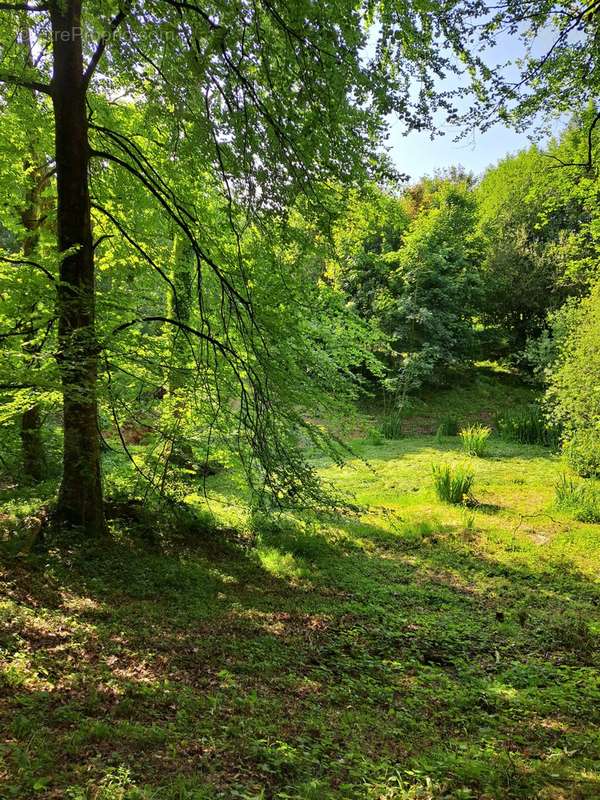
332,660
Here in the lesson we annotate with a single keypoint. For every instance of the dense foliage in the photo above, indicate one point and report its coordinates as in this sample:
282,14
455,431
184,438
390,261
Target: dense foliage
574,378
279,485
204,250
418,278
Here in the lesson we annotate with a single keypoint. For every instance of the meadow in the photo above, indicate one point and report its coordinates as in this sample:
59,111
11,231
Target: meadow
409,649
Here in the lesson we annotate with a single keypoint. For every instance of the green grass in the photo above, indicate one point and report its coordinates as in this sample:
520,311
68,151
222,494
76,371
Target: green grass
580,498
527,425
416,650
449,426
486,393
452,484
474,439
391,425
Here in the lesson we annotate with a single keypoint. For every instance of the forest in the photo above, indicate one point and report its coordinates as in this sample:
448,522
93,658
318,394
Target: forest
299,453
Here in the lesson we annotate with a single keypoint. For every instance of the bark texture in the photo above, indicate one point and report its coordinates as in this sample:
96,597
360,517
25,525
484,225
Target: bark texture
80,500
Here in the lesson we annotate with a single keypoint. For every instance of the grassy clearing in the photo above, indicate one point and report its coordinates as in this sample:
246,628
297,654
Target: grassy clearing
484,393
418,650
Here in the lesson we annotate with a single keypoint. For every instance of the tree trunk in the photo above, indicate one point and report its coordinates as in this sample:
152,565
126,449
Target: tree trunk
80,498
32,443
179,305
34,455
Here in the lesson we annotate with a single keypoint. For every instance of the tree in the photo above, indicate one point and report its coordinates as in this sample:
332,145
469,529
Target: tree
538,215
274,99
371,224
409,264
435,289
573,380
520,281
26,179
548,79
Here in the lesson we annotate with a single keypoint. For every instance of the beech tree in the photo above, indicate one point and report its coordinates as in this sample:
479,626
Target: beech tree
274,98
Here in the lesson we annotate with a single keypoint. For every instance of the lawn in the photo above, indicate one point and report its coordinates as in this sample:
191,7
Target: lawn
410,650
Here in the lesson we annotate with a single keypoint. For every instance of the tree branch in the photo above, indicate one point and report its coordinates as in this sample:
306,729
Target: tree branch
16,80
587,165
176,212
101,47
21,7
27,263
226,351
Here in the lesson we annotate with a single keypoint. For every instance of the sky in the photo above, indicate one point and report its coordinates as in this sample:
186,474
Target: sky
416,154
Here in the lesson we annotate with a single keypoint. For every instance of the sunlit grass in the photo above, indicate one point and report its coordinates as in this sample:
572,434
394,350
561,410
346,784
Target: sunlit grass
410,649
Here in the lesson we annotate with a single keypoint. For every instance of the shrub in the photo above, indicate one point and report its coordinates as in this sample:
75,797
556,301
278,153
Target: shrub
448,426
576,372
581,499
374,437
582,451
475,439
452,484
527,425
571,632
391,427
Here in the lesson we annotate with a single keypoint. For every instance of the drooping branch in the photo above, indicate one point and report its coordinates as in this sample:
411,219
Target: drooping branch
182,5
28,263
145,255
224,349
587,165
175,213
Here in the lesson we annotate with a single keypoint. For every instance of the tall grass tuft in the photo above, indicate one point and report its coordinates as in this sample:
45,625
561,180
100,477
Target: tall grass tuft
452,484
527,425
475,439
391,426
448,426
579,498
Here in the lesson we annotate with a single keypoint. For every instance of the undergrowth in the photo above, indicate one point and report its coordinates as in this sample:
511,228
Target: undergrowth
452,484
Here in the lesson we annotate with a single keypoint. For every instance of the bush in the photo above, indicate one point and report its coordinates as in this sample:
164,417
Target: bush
581,499
391,427
571,632
582,452
374,437
576,372
448,426
527,425
452,484
475,439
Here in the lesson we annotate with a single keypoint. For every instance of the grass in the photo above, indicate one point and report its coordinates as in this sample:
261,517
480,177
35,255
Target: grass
474,439
417,650
452,485
580,498
449,426
486,393
527,425
391,425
